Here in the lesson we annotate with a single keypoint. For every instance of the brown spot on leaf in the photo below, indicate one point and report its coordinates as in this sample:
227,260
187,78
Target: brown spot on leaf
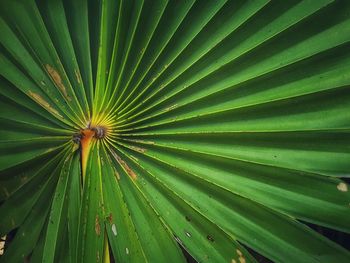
138,149
43,103
97,226
343,187
39,99
233,261
57,80
110,218
126,167
130,172
210,238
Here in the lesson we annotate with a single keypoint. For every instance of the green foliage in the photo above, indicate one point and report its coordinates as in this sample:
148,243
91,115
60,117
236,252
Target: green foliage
216,126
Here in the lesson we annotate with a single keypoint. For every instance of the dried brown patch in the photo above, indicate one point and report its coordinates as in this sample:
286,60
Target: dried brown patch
43,103
138,149
126,167
97,226
130,172
57,80
110,218
39,99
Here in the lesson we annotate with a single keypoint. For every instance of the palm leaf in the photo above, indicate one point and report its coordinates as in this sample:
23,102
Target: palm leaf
133,131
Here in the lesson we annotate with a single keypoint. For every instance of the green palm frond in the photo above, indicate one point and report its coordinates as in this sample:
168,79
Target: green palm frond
134,130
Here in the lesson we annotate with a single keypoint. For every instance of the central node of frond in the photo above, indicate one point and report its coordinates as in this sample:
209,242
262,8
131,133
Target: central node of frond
97,132
96,129
100,131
